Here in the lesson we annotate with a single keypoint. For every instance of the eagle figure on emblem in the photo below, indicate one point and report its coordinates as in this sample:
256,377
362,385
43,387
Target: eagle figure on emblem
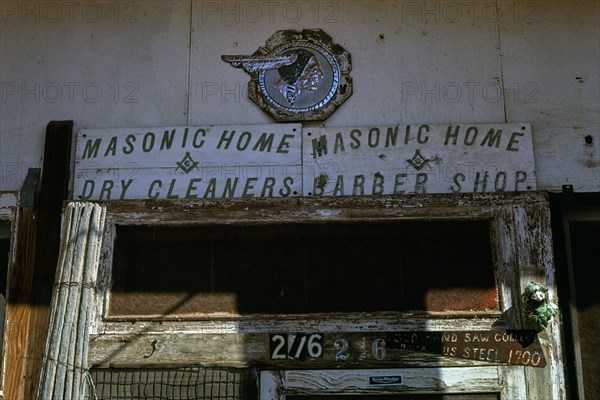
298,70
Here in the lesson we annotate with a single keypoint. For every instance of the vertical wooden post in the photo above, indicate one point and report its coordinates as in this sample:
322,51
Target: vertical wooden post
53,193
20,276
39,246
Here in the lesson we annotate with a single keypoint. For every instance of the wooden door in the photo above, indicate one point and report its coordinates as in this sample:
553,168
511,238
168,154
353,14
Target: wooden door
150,312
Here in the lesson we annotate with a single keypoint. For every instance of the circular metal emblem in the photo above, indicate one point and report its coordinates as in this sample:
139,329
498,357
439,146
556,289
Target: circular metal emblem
298,76
305,85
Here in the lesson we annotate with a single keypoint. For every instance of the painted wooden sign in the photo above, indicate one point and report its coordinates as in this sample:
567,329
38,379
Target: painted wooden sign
283,160
516,347
453,158
199,162
288,350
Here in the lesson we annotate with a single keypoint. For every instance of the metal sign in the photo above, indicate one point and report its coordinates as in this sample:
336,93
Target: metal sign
297,75
386,380
194,162
405,159
512,347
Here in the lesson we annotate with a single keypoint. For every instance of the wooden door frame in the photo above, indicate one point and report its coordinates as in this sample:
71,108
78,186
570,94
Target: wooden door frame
9,212
520,231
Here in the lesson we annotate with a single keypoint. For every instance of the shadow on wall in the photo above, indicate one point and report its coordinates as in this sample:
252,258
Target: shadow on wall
585,236
172,273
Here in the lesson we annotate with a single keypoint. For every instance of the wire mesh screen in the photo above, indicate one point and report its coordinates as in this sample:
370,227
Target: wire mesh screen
173,384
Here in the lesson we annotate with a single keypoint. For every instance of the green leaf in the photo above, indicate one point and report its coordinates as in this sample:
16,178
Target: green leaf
536,322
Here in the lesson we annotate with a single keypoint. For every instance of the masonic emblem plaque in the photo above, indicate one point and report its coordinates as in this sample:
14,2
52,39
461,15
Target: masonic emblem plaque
298,75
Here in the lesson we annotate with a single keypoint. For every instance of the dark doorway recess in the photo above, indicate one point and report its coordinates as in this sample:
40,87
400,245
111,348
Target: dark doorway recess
576,234
297,268
585,237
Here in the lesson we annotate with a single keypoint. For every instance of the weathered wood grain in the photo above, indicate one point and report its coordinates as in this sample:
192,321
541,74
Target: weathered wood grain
18,311
340,349
216,340
318,209
278,384
536,263
20,276
53,192
9,212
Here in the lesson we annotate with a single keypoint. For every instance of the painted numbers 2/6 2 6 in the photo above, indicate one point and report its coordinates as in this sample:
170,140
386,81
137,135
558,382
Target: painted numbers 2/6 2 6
342,348
299,346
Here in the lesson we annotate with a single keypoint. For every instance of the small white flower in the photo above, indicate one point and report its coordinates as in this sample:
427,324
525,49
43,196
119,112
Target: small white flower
538,296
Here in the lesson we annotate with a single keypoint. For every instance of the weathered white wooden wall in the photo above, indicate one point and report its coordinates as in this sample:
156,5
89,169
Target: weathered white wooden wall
108,63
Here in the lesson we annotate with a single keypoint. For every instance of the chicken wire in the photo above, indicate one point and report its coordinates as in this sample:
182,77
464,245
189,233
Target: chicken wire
190,383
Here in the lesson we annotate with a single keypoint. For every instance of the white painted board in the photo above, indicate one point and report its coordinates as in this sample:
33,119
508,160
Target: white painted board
193,162
405,159
102,64
559,96
281,160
